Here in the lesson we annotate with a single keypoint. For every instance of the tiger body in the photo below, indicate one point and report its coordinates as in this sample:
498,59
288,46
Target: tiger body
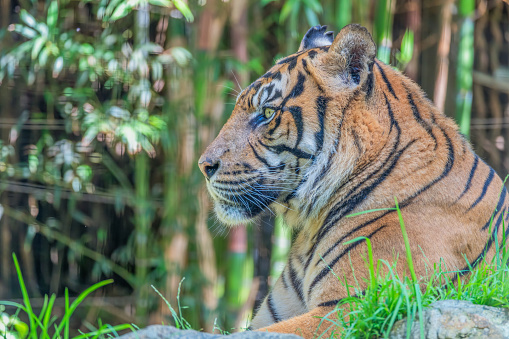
345,133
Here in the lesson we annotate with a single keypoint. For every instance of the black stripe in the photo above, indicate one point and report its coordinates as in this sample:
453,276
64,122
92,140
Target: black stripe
283,279
297,118
272,309
406,202
257,156
330,303
305,66
389,86
345,251
277,122
470,177
296,282
368,85
419,119
292,64
498,208
486,248
321,109
345,206
278,149
487,183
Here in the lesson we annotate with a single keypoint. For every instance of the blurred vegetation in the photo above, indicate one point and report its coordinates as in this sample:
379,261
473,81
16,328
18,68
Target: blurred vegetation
105,106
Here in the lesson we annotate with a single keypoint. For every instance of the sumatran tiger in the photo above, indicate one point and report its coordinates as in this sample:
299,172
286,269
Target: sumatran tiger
330,131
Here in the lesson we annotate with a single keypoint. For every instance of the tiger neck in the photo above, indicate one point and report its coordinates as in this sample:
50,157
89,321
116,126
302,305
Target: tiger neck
372,133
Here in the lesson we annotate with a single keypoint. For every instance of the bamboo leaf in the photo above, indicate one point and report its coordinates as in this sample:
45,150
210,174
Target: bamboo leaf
27,18
25,31
121,11
38,43
184,9
52,14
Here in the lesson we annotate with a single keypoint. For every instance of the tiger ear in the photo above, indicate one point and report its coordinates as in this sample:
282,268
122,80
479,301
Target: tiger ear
316,36
351,56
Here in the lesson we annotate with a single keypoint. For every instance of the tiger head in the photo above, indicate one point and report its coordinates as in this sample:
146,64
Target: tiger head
279,149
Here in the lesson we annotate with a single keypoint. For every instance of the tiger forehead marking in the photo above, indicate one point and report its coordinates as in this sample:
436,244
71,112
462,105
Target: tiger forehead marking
330,131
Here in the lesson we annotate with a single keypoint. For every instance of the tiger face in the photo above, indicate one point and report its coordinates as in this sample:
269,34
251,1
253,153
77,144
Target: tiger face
274,140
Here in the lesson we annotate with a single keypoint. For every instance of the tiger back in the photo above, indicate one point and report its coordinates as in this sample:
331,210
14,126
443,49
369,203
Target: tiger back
331,131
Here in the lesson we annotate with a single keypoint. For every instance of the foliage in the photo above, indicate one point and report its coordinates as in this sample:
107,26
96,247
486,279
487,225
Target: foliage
42,325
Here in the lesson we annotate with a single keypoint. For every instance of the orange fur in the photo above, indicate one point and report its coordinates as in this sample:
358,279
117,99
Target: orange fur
349,134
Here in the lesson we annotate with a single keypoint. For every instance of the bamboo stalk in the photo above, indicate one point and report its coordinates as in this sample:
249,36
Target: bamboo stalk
280,249
142,187
465,66
383,29
444,46
413,22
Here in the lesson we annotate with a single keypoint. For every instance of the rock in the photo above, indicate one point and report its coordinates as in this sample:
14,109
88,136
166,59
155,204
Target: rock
163,332
457,319
447,319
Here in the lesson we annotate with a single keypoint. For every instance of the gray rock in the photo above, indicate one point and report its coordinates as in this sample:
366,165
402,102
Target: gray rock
163,332
448,319
457,319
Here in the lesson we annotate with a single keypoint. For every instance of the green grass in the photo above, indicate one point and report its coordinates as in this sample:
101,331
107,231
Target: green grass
389,297
46,325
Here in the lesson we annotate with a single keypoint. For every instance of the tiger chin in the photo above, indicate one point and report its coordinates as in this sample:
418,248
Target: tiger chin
330,131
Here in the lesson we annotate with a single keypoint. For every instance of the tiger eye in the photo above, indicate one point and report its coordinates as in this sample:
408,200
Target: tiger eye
268,112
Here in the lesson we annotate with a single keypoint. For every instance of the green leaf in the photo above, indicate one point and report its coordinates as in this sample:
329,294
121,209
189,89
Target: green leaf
52,14
157,70
27,18
38,43
87,49
184,9
407,47
57,66
43,56
121,11
162,3
84,172
25,31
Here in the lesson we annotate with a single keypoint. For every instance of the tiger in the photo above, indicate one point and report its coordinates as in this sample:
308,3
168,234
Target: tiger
331,131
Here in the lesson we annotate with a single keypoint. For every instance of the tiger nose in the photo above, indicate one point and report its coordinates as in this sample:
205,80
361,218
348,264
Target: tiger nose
208,167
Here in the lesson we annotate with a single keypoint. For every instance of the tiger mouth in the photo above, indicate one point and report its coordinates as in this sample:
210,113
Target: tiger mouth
236,208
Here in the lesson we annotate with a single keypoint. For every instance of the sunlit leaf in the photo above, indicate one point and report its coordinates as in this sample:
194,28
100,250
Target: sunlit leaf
25,31
86,49
57,66
84,172
407,47
157,70
52,14
38,43
121,11
27,18
42,28
184,9
43,56
162,3
119,113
